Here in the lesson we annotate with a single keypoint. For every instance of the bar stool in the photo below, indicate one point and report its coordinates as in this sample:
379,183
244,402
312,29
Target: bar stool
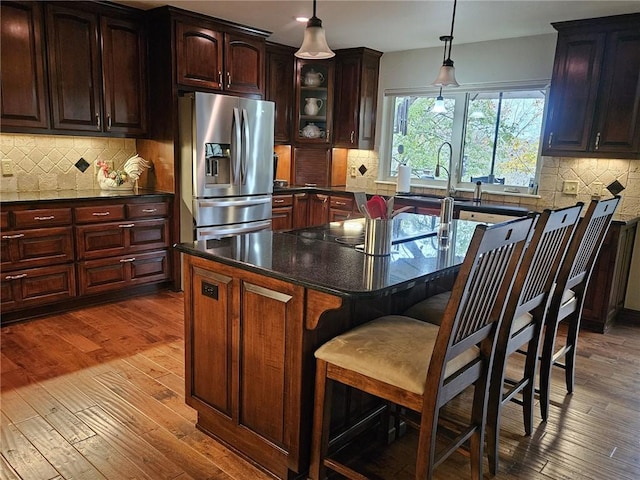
420,366
524,319
568,298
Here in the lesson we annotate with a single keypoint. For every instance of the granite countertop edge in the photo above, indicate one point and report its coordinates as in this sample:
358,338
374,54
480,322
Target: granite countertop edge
67,195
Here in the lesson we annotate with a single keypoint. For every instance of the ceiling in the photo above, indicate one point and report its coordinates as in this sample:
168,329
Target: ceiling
392,25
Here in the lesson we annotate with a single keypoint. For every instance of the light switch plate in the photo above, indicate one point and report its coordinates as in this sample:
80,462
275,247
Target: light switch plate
570,187
7,167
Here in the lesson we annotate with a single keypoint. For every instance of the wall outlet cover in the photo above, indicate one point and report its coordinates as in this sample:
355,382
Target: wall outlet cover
570,187
7,167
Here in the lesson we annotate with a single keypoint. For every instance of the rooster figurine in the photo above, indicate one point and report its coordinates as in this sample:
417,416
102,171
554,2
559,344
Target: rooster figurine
124,179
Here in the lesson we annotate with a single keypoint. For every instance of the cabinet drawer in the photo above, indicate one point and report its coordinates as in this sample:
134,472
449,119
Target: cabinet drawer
341,203
147,210
37,286
42,217
99,213
282,201
116,273
121,238
35,248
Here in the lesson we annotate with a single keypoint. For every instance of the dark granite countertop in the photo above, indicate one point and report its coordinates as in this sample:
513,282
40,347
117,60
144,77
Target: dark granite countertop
416,199
326,258
63,195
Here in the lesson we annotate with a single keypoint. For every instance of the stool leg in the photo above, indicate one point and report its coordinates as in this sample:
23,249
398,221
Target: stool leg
572,343
321,422
546,364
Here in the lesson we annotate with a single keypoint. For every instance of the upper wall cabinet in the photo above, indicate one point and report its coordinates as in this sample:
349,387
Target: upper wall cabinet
314,101
97,68
280,67
594,103
23,92
356,87
209,58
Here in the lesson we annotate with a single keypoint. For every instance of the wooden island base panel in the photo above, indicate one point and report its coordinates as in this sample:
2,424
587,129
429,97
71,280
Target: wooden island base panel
258,306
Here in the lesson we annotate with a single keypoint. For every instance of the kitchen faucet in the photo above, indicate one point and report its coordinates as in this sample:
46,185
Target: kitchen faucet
450,191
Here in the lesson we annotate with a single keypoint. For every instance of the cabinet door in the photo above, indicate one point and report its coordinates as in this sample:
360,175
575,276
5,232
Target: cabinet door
281,218
318,209
23,89
124,53
314,101
244,64
280,91
74,69
574,87
617,128
300,210
198,56
312,166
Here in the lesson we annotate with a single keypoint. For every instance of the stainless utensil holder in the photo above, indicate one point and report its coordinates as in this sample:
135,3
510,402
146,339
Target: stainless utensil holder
377,236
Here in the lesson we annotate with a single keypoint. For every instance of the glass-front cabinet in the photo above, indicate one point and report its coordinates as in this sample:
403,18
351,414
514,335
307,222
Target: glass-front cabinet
314,101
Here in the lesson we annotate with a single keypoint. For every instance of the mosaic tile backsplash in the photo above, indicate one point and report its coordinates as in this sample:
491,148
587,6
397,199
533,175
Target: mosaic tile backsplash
554,172
48,162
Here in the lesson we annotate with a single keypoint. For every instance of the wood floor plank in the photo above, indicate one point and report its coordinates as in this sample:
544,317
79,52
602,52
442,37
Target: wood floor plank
120,437
15,407
6,471
23,456
62,455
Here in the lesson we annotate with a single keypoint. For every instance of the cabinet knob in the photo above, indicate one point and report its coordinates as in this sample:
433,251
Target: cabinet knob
597,141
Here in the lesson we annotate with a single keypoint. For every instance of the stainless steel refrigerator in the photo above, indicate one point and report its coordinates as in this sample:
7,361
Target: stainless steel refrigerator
226,164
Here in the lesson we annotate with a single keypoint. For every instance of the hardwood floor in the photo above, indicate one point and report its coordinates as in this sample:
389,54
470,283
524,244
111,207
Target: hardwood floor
99,394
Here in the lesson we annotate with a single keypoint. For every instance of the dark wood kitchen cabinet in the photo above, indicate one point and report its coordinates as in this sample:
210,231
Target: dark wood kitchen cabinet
37,258
282,212
356,97
24,96
279,84
97,70
318,209
594,102
314,102
207,57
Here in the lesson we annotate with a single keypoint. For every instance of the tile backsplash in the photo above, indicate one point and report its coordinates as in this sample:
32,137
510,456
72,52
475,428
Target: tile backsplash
47,162
555,170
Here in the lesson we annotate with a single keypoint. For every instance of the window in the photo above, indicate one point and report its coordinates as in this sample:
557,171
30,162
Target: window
494,135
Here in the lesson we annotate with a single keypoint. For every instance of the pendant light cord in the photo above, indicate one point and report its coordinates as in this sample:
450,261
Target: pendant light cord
453,19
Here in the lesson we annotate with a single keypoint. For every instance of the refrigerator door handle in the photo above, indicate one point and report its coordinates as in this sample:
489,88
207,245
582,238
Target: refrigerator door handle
205,233
245,145
245,202
236,147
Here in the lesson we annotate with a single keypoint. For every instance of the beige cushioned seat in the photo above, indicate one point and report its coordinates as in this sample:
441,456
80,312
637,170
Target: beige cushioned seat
430,309
393,349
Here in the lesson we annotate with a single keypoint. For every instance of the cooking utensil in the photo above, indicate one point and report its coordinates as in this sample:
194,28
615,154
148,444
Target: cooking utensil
361,199
377,207
390,206
400,210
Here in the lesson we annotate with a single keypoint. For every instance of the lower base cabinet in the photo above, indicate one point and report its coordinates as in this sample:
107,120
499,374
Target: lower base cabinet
35,286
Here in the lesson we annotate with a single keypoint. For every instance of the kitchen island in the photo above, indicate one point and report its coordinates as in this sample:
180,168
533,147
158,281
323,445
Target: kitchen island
258,305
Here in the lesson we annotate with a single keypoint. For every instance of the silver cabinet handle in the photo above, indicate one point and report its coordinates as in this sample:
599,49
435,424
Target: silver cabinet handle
550,140
149,210
597,140
17,235
353,134
340,203
278,201
127,225
98,121
108,122
15,277
228,80
49,217
101,214
128,260
220,78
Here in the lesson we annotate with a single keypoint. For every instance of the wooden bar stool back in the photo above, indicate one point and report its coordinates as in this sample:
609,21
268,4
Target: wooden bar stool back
420,366
524,319
568,298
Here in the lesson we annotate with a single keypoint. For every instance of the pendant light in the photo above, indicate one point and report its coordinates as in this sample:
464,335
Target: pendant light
314,45
439,107
447,75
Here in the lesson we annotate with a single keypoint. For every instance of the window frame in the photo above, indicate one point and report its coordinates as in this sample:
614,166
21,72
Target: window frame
461,95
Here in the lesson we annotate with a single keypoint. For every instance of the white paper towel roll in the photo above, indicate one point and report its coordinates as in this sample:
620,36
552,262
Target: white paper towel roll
404,179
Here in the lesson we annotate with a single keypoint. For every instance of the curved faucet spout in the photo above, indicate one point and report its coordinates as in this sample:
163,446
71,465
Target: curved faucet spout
450,190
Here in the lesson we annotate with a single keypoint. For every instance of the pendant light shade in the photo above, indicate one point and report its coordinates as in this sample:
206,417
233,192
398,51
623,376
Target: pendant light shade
314,45
447,74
